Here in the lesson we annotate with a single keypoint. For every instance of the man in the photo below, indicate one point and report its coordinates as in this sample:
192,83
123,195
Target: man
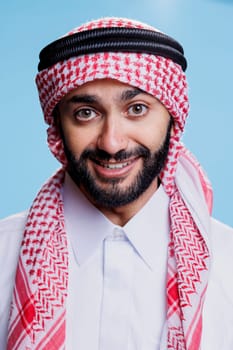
119,250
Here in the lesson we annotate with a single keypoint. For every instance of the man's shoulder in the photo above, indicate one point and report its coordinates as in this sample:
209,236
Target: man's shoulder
221,233
222,250
221,238
12,227
11,234
13,222
219,299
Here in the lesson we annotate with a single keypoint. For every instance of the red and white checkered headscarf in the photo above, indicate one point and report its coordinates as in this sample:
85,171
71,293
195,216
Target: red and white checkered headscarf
38,311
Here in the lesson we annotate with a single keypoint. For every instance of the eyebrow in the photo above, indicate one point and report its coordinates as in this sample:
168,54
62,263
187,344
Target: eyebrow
129,94
83,99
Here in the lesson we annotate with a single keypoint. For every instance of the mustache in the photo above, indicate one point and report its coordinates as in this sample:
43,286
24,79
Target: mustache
122,155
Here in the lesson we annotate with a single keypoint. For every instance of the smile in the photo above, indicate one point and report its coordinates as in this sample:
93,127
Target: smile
114,165
111,169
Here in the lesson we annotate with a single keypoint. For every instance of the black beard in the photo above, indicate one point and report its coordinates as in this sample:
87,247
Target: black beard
115,197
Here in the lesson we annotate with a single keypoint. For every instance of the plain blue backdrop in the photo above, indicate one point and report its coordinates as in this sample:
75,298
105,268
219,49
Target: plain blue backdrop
204,27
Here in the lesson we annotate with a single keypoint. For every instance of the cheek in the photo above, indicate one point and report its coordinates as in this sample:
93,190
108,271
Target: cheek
153,135
77,140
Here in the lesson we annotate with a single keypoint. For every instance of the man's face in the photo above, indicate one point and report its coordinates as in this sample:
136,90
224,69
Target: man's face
116,139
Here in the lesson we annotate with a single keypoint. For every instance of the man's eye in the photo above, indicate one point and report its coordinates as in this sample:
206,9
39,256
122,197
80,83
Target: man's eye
137,109
85,114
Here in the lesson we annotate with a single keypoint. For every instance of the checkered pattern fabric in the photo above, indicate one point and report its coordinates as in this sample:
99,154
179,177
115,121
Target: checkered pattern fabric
38,309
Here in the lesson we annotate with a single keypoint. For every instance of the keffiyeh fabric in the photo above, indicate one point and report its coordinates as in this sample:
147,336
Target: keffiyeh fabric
38,313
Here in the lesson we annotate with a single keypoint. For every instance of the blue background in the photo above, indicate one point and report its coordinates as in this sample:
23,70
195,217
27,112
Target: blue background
204,27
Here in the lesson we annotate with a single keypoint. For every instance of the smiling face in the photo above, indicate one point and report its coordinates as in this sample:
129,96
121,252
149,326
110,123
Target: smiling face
116,139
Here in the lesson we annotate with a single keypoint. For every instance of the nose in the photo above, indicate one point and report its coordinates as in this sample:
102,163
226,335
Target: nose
112,137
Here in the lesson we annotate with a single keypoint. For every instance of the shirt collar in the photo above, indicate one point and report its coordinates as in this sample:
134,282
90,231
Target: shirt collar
87,227
148,230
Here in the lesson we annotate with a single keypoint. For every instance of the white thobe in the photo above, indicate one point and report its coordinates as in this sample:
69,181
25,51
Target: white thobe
117,275
88,316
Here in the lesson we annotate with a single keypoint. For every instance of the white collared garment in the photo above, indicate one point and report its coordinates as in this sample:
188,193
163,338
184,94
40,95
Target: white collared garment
117,275
85,323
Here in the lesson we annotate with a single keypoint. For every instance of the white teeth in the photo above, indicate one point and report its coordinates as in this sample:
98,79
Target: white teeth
115,166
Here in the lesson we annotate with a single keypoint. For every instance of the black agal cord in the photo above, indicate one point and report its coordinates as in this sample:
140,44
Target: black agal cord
115,39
